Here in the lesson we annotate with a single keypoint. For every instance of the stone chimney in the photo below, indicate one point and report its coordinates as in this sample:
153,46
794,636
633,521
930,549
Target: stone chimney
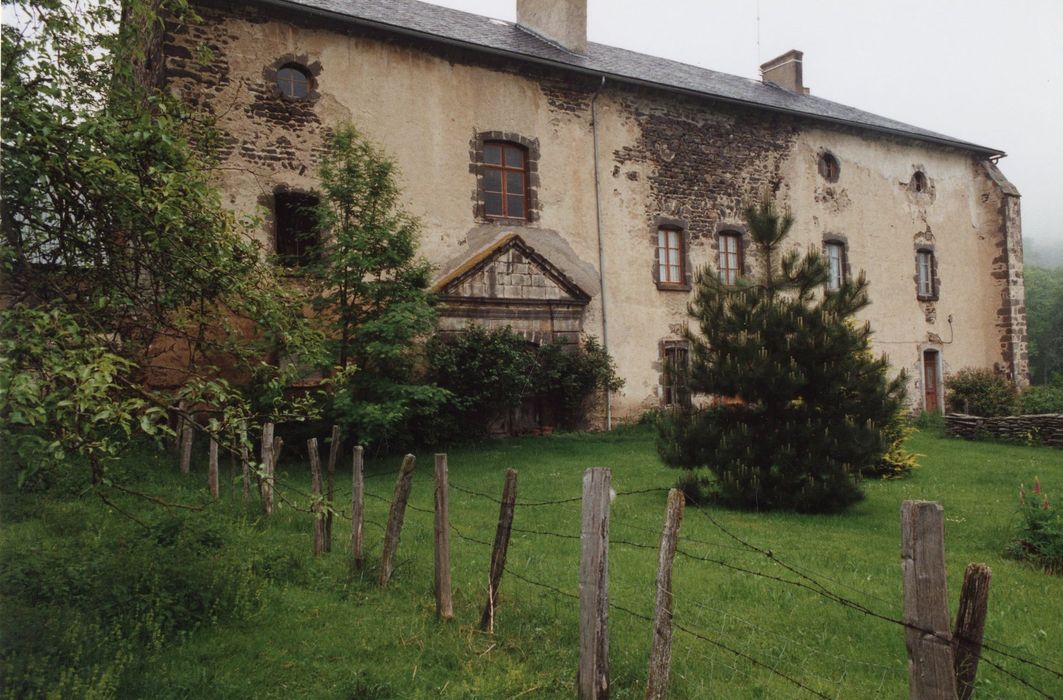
785,71
563,22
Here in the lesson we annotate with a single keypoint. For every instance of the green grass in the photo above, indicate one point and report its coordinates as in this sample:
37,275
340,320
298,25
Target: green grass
315,633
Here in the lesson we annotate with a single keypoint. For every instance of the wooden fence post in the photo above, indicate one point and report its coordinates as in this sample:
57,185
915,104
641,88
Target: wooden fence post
266,455
333,455
498,552
357,510
395,516
245,461
931,672
444,601
212,468
315,491
970,625
188,433
661,649
271,471
592,679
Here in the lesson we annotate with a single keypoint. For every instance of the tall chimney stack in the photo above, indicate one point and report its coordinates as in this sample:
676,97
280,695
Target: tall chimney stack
563,22
785,71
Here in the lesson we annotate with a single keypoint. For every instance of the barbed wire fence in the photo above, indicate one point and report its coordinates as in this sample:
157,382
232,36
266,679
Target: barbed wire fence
738,645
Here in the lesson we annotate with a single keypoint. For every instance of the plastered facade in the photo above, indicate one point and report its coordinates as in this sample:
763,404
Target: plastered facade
663,158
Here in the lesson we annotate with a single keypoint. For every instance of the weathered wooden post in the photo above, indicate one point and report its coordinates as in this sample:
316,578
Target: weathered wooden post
498,552
931,671
970,626
188,433
357,510
315,491
592,679
661,649
212,467
444,601
266,456
245,461
179,424
395,517
271,471
333,455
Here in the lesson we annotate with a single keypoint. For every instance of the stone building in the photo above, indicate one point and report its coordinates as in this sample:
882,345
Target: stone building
567,187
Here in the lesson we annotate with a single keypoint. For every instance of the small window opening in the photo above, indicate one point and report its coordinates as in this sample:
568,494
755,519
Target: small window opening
918,183
730,261
829,168
296,228
671,261
505,180
293,82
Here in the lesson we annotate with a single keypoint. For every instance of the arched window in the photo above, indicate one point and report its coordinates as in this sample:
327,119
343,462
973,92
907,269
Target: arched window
293,82
505,180
918,183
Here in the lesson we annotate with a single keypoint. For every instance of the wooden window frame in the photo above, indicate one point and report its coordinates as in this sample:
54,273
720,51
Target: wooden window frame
670,389
503,168
926,286
724,271
842,276
830,169
307,82
664,263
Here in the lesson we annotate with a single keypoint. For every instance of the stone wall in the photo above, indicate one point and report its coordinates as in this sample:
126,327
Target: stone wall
664,159
1044,428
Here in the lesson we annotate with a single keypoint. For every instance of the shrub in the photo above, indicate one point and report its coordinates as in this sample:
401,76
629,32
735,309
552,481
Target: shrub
1043,399
897,462
1039,539
980,392
489,373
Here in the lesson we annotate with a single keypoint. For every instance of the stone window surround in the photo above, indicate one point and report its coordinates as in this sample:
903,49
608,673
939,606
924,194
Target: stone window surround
843,241
680,225
476,167
821,165
269,202
312,69
743,236
935,280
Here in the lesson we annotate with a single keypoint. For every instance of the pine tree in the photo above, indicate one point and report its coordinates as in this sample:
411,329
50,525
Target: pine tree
372,291
797,402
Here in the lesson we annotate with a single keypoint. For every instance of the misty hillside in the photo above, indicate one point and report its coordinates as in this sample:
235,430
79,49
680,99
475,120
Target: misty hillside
1043,253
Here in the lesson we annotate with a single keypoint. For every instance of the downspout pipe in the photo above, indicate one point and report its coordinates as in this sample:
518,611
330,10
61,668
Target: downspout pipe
601,246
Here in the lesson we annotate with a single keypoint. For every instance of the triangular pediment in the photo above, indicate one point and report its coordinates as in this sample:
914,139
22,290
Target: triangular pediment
511,270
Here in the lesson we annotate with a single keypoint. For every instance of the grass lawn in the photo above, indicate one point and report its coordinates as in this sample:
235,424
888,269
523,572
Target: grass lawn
315,633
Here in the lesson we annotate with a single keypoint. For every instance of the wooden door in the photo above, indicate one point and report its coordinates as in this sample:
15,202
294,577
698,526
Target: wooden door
930,380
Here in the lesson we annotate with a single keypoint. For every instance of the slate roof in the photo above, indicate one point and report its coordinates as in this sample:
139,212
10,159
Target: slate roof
496,36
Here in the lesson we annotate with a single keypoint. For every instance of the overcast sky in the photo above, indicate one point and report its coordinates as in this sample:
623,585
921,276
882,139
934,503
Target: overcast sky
985,71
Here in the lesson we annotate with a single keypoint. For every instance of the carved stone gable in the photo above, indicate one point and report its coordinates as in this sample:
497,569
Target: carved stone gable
512,270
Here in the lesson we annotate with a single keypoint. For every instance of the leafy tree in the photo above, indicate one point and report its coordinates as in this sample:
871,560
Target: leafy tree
1044,319
805,403
371,289
119,263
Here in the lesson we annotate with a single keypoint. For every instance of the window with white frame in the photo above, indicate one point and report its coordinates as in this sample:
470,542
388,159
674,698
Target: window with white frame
671,262
835,253
924,278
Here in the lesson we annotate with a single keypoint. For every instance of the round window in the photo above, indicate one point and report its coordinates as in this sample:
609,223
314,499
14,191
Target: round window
293,83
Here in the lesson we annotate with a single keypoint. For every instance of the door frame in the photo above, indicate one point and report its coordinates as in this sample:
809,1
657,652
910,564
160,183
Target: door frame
939,370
